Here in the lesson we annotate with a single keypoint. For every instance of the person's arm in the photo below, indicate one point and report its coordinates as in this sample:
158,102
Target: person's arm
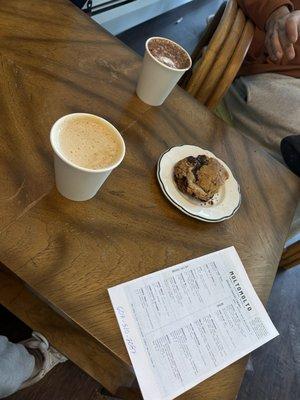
260,10
281,23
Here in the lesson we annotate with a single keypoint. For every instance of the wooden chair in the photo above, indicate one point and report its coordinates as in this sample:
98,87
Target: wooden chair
291,256
217,59
219,54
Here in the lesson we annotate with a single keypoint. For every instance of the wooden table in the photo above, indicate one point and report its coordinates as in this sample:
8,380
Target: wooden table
59,257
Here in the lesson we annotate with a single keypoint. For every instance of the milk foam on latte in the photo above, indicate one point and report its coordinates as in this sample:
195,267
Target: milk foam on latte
88,142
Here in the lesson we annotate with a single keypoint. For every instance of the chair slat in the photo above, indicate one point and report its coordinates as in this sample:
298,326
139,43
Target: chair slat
203,42
290,256
219,66
208,33
233,66
214,46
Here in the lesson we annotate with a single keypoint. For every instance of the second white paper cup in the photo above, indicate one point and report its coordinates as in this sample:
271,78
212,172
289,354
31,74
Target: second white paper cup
74,182
156,79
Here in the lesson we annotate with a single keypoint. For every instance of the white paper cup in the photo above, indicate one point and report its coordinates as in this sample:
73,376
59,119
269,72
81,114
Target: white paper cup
74,182
156,79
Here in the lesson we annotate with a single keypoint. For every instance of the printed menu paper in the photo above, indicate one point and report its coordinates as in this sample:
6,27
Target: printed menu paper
185,323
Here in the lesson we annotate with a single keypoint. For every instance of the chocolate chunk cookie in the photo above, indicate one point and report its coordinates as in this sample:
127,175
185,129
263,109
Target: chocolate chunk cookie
200,177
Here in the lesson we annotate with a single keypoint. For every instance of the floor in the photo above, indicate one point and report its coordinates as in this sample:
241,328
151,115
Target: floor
273,371
183,25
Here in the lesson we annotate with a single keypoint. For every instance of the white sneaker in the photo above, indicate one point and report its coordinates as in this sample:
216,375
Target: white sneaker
46,357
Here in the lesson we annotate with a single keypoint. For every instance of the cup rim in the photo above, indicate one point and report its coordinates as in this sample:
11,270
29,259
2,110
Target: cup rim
162,64
71,164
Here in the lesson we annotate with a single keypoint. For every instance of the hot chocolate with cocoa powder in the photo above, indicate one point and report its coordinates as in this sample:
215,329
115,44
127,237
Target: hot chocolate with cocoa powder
168,53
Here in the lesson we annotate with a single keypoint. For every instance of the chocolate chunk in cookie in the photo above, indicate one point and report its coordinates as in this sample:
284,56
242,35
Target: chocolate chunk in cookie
200,177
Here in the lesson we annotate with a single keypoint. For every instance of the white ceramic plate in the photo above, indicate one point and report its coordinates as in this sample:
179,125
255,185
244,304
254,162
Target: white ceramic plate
225,203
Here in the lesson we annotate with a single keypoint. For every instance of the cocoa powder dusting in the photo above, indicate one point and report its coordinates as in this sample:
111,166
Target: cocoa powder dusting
168,53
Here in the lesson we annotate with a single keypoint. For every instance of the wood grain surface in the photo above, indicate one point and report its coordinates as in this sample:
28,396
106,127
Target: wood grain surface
58,61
